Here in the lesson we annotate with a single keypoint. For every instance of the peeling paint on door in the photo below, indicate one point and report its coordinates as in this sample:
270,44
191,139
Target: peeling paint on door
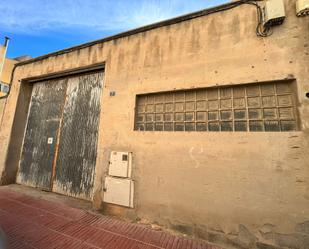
78,138
62,160
43,123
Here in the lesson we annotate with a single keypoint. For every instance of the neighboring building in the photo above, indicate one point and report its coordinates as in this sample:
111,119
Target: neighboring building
194,123
5,75
6,68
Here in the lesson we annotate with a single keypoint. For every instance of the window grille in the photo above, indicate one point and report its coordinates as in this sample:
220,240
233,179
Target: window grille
254,107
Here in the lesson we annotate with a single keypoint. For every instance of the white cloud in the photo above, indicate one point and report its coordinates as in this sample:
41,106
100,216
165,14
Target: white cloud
37,16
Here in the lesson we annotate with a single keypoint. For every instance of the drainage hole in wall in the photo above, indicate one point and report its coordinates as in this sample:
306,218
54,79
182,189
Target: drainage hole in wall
307,95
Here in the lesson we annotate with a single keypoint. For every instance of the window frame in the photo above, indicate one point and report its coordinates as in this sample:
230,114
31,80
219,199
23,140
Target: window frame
263,120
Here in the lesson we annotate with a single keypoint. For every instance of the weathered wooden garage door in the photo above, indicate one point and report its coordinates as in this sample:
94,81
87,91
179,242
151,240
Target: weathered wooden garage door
78,139
60,144
43,122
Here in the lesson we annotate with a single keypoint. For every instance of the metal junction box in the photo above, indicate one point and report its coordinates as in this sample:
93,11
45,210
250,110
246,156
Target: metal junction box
119,191
274,12
120,164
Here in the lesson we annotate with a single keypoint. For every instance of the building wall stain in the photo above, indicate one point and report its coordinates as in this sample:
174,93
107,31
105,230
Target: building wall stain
245,178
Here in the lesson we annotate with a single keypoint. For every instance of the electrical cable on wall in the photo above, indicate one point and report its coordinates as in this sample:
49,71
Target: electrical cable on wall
261,29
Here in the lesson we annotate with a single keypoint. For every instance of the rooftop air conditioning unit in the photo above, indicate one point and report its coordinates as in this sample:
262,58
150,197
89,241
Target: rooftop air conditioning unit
302,7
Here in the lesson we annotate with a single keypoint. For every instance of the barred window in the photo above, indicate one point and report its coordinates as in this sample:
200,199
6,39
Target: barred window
254,107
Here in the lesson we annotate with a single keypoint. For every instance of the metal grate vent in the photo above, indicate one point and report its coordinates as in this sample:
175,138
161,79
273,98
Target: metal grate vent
255,107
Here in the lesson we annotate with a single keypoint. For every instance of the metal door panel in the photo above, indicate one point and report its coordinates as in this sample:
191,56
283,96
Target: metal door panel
77,149
43,122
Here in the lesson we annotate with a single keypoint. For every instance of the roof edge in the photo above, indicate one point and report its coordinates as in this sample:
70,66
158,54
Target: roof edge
152,26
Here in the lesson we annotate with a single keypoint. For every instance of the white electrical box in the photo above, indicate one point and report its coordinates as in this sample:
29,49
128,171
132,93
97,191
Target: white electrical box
119,191
120,164
274,12
302,7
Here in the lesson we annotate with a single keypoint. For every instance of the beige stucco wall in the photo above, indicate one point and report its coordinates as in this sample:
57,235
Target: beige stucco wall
2,50
5,76
2,104
208,184
2,101
7,70
7,67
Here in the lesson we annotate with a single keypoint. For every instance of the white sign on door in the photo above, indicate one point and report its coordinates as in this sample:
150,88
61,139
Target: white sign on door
50,140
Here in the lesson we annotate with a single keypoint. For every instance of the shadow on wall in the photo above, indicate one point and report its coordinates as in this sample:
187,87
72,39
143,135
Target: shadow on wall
16,139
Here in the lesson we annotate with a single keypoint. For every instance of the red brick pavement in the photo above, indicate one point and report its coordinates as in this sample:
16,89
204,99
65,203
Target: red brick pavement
33,223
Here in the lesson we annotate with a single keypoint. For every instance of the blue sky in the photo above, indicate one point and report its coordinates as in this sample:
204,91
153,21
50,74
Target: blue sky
38,27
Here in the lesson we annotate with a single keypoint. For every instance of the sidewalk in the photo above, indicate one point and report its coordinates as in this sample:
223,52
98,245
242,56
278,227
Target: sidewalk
32,222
